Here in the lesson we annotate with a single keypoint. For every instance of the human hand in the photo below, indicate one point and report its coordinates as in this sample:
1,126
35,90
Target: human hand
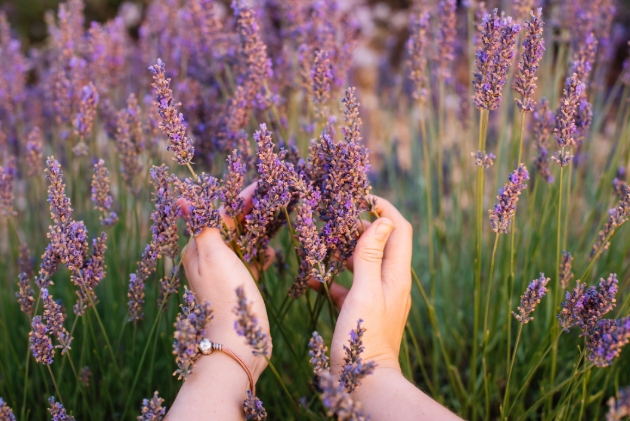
380,293
214,271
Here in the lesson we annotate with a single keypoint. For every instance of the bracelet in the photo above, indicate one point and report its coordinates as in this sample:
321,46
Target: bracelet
206,347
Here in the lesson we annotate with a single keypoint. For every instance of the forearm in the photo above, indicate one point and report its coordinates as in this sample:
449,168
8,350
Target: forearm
215,391
387,395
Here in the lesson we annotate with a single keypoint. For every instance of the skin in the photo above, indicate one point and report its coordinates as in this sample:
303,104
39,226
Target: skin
380,295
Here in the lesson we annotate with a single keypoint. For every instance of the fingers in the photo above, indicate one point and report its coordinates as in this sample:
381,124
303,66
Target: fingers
397,255
350,260
368,255
247,194
338,293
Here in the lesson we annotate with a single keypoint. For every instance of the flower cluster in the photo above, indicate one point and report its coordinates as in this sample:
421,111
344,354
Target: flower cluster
337,401
40,343
7,176
321,79
617,216
566,269
6,413
504,211
619,408
447,38
354,368
585,307
565,118
416,51
166,213
246,325
253,408
233,184
189,330
533,47
606,339
34,156
127,151
317,352
535,291
172,122
57,411
201,196
101,196
54,318
494,57
85,117
152,409
25,294
483,159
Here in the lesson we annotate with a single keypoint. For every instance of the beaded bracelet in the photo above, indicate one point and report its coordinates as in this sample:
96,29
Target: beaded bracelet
206,347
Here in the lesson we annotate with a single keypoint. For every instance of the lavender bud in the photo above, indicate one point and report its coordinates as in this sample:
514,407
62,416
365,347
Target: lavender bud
60,207
416,51
246,325
354,368
172,124
136,297
127,152
321,77
317,352
87,111
165,237
619,408
48,266
25,294
586,307
152,409
6,413
337,401
617,216
503,213
566,269
101,196
33,155
7,175
253,408
446,38
232,185
483,159
535,291
57,411
544,121
565,118
533,47
41,345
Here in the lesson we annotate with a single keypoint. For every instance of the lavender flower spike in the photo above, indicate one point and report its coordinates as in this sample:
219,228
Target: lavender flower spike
533,47
41,345
531,298
6,413
202,196
253,408
246,325
504,211
586,307
85,117
605,340
544,120
60,207
165,236
172,123
25,294
494,57
619,408
7,175
34,155
152,409
101,196
233,184
337,401
355,369
57,411
317,352
565,119
483,159
617,216
565,269
447,38
417,62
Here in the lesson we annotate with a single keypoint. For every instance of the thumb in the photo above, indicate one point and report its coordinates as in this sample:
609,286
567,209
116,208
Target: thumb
368,254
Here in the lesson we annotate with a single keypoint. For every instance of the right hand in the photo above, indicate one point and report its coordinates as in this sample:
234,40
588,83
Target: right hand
380,293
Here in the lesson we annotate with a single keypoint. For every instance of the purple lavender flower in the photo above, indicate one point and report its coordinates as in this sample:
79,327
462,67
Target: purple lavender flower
321,80
201,196
494,57
246,325
416,46
605,340
619,183
33,155
48,266
25,262
317,352
253,408
585,307
166,213
54,318
169,285
337,401
535,291
533,47
584,57
617,216
172,124
483,159
583,120
101,196
503,213
85,116
7,175
60,207
136,131
189,331
313,248
565,118
566,269
69,242
57,411
136,297
127,152
85,374
625,74
6,413
41,345
94,271
355,369
152,409
544,121
619,408
232,185
25,294
446,39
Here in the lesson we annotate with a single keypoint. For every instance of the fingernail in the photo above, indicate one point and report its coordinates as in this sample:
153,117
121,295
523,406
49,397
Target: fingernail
384,228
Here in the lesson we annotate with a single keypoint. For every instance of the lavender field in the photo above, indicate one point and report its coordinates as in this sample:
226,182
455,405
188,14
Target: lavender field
500,130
